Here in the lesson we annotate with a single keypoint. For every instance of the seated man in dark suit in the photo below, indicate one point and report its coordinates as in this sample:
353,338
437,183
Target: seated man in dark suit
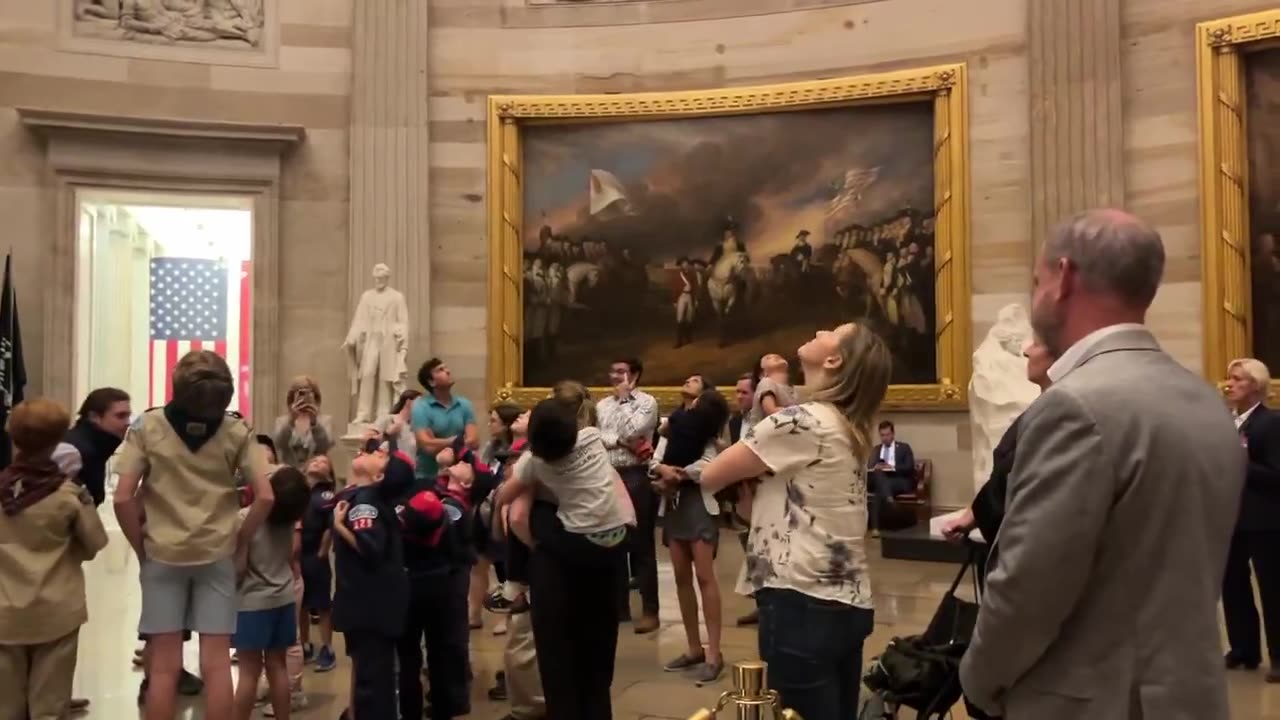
891,471
1257,535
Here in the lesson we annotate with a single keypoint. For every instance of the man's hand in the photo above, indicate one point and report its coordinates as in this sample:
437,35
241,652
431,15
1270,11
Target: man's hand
956,529
623,389
668,474
340,512
883,467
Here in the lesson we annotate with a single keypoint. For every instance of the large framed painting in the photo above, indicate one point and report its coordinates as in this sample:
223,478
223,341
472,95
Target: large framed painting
698,231
1238,88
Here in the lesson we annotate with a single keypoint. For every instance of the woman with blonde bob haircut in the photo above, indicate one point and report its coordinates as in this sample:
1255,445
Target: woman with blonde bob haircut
805,560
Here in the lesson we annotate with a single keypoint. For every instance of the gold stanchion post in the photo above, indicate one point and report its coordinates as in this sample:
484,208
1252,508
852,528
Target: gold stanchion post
750,696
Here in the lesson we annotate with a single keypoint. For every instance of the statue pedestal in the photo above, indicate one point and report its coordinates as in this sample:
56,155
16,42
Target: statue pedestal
358,429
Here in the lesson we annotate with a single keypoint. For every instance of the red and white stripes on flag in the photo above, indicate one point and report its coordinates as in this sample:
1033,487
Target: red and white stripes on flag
200,304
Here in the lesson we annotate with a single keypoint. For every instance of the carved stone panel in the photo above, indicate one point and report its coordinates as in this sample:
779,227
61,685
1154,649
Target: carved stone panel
224,32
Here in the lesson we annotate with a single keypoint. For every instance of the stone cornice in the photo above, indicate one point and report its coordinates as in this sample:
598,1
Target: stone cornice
49,122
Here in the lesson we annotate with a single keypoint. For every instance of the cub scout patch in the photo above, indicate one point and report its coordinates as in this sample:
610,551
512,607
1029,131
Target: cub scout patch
327,495
362,516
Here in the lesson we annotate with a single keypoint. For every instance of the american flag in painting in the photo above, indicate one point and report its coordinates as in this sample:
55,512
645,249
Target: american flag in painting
199,304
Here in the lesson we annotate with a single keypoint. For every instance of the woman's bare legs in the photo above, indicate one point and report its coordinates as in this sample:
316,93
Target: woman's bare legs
704,555
682,561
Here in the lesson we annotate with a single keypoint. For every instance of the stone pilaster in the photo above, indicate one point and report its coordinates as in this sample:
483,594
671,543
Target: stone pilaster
389,163
1077,135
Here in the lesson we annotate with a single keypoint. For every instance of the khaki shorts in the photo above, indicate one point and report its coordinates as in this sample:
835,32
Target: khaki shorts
199,598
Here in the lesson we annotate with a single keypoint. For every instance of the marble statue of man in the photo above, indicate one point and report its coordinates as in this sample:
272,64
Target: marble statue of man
376,346
999,389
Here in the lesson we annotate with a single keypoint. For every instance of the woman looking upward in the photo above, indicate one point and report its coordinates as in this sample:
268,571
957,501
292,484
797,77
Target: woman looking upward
805,559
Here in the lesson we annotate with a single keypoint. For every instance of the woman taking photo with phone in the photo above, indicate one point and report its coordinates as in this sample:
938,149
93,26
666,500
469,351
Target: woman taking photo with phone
806,562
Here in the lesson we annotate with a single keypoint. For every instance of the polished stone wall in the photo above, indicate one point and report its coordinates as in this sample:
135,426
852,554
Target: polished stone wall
310,86
1074,103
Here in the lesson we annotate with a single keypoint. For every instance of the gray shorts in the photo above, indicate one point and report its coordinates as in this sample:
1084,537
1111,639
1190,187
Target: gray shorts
199,598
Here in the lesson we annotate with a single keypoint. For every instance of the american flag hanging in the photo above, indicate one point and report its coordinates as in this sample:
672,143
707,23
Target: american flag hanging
199,304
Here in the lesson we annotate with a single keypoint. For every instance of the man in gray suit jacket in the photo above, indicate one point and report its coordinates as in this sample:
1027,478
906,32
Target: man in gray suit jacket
1103,599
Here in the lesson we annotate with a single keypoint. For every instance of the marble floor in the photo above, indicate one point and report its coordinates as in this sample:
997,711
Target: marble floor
906,594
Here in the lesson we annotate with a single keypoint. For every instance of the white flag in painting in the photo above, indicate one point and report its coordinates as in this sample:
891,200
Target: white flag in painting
607,193
849,190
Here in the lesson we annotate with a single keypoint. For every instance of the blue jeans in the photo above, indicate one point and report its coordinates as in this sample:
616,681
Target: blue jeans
814,651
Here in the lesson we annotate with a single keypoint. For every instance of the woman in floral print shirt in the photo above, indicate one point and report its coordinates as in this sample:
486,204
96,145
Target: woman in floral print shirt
806,561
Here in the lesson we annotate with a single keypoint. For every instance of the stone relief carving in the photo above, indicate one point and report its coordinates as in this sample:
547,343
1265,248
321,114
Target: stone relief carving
229,23
999,390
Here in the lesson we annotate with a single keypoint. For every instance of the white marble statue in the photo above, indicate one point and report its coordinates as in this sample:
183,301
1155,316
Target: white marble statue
999,390
376,347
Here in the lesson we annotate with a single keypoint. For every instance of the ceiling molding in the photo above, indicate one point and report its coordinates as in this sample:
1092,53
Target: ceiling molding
603,13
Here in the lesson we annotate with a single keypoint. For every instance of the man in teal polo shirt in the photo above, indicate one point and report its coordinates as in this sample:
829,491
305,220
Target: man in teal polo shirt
439,418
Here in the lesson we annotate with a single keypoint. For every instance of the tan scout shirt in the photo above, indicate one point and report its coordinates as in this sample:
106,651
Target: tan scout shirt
41,581
189,500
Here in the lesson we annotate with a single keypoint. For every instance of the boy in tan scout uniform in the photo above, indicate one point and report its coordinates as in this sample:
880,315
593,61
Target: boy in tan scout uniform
48,527
192,543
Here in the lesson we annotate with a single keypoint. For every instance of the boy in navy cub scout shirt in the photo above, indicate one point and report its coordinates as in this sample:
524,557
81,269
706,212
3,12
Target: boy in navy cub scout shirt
372,590
434,523
317,573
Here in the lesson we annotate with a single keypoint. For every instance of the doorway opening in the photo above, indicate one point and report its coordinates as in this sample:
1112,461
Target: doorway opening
158,275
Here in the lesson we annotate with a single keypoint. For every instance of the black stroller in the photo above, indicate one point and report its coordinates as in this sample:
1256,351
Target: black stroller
922,672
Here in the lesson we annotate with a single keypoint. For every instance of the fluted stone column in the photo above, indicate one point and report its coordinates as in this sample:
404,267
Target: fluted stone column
389,168
1077,135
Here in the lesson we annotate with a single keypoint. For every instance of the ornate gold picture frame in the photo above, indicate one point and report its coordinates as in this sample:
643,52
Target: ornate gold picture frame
1221,49
944,87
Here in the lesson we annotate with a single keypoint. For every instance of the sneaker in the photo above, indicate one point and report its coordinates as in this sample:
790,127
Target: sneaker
684,662
308,653
325,660
645,625
189,684
297,701
499,604
708,673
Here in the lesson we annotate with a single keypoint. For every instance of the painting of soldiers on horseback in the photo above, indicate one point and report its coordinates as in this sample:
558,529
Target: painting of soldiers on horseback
702,243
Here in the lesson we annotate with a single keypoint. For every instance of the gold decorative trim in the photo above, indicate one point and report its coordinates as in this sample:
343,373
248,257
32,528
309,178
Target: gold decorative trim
946,85
1242,29
901,397
728,101
1224,186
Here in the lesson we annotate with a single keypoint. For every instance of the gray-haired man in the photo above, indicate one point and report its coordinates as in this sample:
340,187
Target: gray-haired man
1102,602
